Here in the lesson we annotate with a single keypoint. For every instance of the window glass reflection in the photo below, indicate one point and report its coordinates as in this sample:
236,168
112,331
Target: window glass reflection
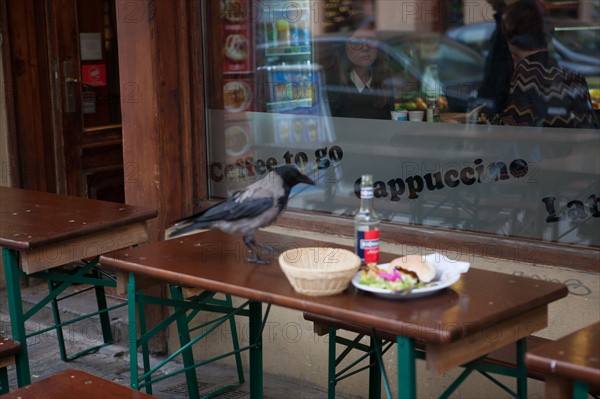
317,84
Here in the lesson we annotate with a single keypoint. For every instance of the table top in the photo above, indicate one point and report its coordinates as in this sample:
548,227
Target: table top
575,356
31,219
216,261
75,384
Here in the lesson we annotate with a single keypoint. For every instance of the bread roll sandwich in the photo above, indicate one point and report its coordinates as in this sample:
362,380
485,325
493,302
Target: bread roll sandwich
415,266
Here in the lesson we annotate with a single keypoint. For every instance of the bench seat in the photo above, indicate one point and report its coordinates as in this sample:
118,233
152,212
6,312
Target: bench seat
76,384
8,350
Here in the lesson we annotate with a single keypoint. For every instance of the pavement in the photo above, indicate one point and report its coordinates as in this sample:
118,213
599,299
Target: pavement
112,362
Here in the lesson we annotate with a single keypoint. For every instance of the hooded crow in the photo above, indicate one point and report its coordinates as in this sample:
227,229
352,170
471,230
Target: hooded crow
249,209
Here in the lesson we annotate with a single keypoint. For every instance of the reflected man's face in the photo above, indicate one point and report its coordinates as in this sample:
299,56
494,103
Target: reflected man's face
361,48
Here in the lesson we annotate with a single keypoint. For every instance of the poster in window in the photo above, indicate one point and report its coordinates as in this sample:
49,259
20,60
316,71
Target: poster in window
237,95
94,74
239,155
237,38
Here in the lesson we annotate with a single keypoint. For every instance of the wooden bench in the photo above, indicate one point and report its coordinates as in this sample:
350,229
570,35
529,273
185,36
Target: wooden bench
571,364
8,350
76,384
505,357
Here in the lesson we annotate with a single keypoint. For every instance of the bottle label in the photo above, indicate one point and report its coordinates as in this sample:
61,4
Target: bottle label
367,246
366,192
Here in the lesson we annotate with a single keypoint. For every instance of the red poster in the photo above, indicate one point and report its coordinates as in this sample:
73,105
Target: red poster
237,38
239,152
94,75
238,95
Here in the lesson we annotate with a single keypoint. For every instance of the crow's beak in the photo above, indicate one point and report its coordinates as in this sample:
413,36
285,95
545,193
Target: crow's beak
306,180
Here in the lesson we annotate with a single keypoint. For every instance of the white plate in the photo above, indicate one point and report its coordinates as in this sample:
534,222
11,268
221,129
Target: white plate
447,278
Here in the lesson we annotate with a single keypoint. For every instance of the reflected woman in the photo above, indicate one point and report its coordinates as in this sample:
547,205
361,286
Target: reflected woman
358,76
541,93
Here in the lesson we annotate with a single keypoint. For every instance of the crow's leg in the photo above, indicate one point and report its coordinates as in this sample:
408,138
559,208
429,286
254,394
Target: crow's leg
252,244
267,247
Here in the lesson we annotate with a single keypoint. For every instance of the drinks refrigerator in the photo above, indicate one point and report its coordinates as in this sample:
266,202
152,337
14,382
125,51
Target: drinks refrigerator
265,92
291,82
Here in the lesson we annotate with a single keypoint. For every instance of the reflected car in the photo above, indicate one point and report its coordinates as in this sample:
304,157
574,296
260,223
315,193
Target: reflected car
459,68
575,45
411,54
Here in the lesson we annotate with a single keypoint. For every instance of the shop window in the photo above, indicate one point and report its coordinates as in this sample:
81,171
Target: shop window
275,96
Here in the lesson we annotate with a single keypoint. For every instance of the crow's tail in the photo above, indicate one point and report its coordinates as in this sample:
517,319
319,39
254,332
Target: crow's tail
182,227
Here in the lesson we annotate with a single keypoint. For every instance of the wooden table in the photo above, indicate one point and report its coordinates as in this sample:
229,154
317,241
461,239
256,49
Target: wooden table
40,231
483,311
571,364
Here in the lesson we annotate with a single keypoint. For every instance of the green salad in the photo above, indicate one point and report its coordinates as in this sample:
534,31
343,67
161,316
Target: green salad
392,280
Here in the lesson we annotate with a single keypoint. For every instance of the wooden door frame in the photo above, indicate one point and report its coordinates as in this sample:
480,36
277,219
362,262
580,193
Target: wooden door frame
162,107
162,110
30,135
63,45
10,175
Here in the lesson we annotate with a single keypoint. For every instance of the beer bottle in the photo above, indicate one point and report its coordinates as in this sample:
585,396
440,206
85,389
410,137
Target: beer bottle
366,224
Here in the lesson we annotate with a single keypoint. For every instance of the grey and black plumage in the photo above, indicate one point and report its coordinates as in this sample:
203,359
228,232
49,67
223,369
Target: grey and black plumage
249,209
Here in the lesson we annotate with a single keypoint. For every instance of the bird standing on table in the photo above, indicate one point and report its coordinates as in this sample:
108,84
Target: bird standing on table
249,209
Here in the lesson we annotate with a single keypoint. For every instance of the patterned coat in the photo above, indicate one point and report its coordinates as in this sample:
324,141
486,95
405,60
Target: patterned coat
543,94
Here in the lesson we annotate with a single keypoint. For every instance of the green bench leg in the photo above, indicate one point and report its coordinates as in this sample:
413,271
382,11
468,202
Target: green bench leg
12,272
143,325
3,380
580,390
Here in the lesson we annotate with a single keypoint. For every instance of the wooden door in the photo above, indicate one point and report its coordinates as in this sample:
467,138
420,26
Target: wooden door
84,61
66,118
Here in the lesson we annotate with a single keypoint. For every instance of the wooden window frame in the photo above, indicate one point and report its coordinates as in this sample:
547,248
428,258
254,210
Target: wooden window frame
414,239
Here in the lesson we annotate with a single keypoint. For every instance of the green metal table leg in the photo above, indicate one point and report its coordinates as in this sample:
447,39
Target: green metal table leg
256,359
331,364
58,282
236,342
143,327
407,385
132,325
184,339
375,369
57,321
15,308
521,368
104,316
377,356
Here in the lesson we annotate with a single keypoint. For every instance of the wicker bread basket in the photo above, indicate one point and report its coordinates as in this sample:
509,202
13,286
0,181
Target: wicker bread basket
319,271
